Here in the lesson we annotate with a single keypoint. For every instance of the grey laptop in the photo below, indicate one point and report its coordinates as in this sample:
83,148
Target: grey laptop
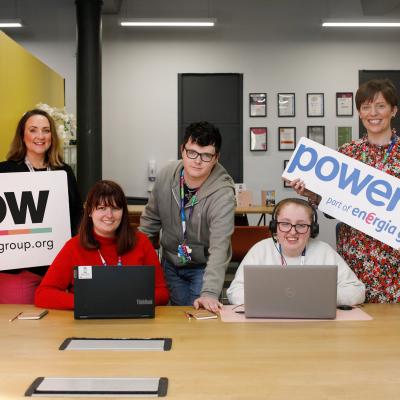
295,291
114,292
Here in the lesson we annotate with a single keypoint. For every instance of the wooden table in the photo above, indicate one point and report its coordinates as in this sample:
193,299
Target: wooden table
136,211
215,360
263,210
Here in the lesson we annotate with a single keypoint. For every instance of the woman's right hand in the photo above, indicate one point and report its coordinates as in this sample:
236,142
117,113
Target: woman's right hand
300,188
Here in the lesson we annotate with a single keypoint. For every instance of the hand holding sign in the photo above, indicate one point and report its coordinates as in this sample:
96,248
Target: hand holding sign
357,194
300,188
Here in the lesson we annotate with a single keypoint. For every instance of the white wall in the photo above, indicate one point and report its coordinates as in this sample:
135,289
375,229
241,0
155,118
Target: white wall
279,46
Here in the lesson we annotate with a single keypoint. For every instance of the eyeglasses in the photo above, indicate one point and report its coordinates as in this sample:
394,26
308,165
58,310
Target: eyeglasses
287,227
193,154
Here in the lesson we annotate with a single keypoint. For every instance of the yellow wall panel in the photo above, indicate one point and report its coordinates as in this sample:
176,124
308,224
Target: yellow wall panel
24,82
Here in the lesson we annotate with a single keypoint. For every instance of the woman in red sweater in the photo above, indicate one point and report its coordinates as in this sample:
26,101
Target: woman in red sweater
105,238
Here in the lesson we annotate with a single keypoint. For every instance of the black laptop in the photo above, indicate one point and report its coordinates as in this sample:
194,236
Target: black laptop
114,292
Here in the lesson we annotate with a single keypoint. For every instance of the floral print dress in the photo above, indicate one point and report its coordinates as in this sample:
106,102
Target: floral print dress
376,264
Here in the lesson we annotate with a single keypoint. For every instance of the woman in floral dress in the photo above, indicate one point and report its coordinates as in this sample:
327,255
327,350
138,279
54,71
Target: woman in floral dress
376,264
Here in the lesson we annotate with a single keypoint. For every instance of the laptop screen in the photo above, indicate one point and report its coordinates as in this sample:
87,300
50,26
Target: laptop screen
294,291
114,292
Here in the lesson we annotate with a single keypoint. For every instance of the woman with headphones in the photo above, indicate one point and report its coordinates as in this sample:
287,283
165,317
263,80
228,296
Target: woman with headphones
294,226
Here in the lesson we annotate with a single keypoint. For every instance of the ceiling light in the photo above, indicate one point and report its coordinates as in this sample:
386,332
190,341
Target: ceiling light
360,24
170,22
11,23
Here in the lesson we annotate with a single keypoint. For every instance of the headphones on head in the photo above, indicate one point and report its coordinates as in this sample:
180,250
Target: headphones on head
273,224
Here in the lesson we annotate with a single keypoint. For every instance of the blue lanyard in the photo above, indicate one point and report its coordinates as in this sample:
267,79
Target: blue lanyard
381,164
193,201
103,261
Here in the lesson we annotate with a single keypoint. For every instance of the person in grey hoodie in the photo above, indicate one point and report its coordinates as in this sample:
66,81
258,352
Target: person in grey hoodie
193,204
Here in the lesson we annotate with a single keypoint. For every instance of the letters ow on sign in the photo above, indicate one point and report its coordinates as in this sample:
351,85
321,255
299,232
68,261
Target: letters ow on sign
34,218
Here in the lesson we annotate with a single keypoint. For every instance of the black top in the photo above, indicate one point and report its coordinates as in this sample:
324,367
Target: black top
75,202
189,193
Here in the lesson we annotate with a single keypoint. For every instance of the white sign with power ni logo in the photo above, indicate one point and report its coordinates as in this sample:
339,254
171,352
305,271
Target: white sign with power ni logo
359,195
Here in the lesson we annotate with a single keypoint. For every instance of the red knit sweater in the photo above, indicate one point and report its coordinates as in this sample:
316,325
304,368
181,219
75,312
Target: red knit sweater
57,287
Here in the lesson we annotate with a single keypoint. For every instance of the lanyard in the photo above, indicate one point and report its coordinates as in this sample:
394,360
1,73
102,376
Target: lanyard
183,249
103,261
283,261
30,166
192,202
388,153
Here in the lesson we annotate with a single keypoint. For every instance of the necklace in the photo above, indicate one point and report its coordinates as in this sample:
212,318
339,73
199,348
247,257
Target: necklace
31,168
388,153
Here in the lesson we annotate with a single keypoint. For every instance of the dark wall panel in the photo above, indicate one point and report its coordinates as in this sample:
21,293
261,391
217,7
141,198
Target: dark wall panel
216,98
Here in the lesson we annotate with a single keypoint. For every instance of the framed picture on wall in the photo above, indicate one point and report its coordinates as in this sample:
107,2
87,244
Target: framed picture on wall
258,104
343,135
286,105
287,138
316,133
315,104
285,184
258,139
344,104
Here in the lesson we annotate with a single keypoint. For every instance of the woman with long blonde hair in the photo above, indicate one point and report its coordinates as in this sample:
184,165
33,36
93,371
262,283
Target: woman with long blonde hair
34,148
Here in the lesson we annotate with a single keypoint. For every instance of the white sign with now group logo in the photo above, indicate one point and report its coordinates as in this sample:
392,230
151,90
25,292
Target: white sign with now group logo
34,218
359,195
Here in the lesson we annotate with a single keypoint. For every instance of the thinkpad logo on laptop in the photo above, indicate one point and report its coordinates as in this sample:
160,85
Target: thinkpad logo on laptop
143,302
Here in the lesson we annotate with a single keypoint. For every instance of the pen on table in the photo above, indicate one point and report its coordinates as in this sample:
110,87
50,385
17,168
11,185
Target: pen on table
14,318
189,315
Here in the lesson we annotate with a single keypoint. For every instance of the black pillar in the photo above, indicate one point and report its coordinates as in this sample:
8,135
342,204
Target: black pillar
88,85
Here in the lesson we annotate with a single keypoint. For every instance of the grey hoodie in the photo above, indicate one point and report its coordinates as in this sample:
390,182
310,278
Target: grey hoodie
209,229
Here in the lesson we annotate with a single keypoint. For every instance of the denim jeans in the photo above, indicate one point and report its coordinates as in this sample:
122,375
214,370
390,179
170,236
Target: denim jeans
184,283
